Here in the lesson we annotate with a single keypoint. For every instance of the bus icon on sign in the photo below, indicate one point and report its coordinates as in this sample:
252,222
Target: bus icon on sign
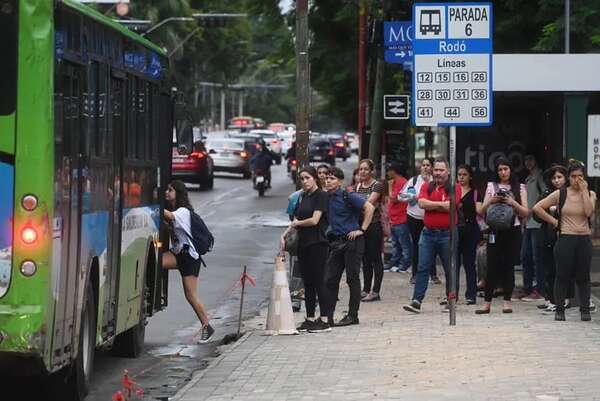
430,21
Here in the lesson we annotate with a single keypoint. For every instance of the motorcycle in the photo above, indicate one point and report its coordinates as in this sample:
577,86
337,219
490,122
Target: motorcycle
259,181
293,169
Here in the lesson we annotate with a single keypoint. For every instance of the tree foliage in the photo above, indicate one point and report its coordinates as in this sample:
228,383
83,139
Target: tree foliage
251,51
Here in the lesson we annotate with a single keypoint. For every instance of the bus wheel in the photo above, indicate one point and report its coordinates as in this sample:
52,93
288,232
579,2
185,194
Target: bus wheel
74,383
130,343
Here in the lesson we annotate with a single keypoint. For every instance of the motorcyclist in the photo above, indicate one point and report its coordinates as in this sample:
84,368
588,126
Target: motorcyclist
263,160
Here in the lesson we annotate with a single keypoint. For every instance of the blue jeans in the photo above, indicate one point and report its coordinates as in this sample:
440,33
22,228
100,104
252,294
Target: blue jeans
533,266
401,246
431,244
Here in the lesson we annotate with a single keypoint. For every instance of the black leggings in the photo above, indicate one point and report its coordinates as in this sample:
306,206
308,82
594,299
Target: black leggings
372,262
312,261
547,254
415,226
502,256
573,255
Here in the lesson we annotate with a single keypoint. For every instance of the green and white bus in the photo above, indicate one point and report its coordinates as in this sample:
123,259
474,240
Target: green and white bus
86,127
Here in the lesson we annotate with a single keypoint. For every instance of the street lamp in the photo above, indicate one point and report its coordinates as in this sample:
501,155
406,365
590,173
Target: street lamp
209,20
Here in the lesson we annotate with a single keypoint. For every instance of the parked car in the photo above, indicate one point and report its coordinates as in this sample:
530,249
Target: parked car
196,167
321,150
230,155
272,140
341,146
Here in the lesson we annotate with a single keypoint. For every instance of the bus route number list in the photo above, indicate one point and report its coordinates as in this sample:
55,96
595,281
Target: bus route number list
452,83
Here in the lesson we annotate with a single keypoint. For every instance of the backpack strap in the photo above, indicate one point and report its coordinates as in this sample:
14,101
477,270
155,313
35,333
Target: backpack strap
496,187
414,180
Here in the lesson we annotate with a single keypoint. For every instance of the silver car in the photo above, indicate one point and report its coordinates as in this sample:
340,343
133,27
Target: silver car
230,155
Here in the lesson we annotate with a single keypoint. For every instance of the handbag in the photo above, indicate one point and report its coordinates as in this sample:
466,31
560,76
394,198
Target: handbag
291,242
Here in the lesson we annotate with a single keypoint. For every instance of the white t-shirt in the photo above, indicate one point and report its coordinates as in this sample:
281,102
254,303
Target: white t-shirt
183,228
490,190
410,195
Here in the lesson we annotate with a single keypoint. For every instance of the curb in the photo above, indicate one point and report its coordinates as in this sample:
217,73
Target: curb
196,377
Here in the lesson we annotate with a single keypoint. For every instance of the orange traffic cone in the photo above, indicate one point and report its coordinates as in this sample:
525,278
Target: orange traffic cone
280,318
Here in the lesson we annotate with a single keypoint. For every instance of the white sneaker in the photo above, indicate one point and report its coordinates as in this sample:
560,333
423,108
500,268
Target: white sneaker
550,309
592,306
395,269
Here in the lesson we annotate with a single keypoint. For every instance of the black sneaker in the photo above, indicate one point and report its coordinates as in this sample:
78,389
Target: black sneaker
414,307
305,325
207,333
319,326
347,321
559,315
585,316
444,301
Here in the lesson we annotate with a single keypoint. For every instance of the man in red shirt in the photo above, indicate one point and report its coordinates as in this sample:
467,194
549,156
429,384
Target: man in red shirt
435,237
401,242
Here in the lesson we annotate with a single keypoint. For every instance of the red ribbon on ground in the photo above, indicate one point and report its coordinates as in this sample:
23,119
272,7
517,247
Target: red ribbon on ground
128,386
247,277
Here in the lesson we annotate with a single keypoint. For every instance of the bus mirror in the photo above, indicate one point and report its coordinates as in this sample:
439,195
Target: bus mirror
185,136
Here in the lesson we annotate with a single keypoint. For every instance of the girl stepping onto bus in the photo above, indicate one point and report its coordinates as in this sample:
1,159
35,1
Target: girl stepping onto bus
182,255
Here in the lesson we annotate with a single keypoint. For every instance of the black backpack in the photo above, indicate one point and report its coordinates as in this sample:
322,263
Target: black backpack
201,237
499,216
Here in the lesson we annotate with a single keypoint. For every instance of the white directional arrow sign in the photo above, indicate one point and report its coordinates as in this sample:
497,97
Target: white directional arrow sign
396,107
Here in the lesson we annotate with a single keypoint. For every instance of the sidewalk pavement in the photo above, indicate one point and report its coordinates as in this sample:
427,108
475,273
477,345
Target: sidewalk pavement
395,355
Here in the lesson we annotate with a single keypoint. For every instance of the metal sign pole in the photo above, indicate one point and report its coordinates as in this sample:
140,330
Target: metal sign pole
453,233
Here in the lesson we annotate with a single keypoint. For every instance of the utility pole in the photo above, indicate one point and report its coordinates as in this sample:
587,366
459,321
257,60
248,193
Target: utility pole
362,74
377,111
241,103
222,127
302,84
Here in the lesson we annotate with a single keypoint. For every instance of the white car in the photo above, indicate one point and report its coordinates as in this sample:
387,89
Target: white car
272,140
287,138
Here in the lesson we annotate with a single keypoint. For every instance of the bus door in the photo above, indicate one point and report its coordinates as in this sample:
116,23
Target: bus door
67,211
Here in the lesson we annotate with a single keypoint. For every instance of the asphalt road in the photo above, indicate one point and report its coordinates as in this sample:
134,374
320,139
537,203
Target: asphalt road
246,230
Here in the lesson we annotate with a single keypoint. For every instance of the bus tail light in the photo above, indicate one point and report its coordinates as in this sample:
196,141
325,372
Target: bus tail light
29,202
29,235
28,268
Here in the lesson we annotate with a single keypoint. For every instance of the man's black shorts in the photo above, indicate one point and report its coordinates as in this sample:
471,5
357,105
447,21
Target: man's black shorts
187,265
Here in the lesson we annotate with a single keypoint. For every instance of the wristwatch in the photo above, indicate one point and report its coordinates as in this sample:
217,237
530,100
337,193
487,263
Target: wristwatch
360,229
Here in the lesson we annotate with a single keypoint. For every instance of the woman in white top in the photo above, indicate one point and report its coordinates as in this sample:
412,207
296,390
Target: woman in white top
182,255
415,214
504,246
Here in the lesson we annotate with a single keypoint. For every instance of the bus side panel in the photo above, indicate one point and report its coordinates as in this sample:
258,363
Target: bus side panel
25,307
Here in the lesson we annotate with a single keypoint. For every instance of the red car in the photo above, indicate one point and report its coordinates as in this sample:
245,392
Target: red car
196,167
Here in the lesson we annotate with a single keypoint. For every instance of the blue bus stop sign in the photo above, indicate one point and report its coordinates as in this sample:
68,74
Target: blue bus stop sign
397,41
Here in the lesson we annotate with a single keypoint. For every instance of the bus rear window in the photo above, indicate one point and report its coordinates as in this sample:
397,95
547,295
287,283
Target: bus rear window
9,30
